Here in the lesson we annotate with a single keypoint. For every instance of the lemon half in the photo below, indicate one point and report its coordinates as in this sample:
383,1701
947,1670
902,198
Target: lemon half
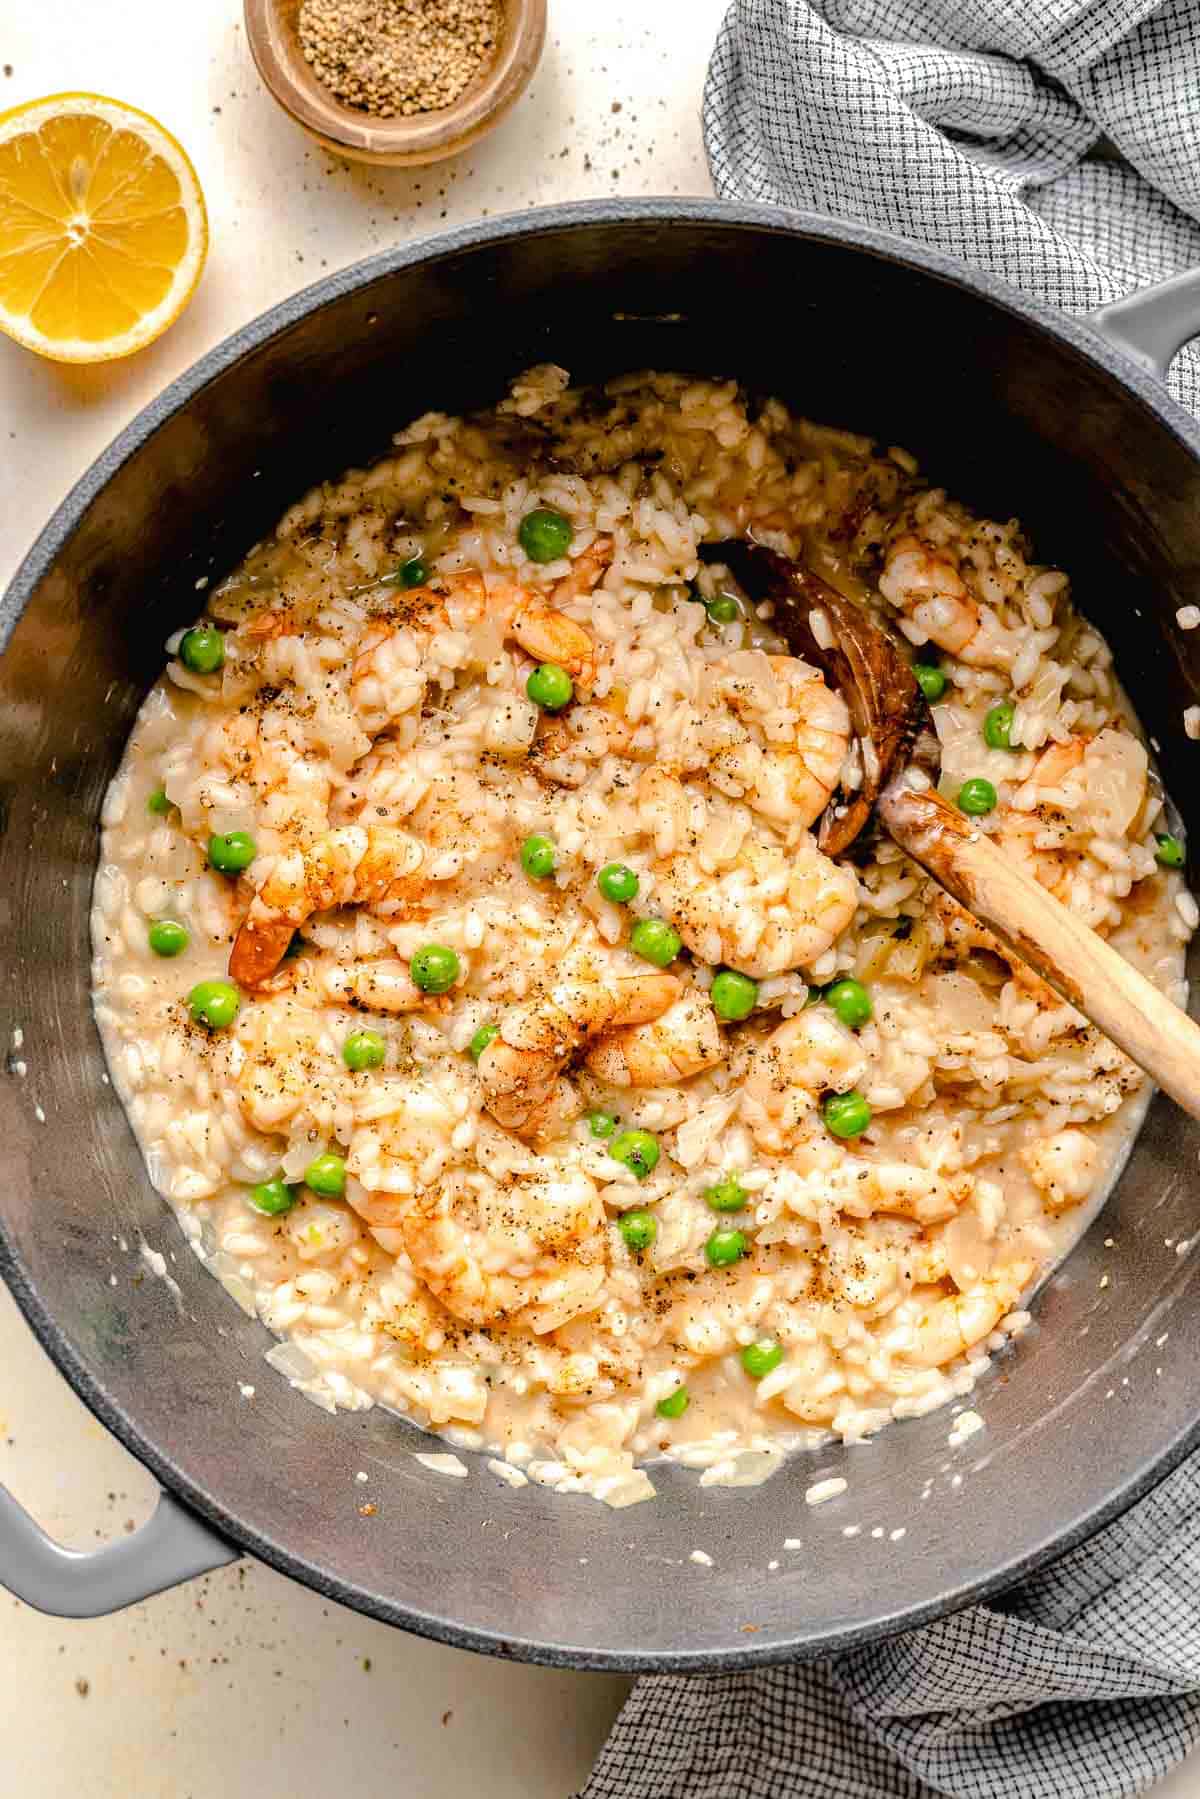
103,231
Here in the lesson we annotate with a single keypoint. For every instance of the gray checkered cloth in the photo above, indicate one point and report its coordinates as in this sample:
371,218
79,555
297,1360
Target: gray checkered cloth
1056,143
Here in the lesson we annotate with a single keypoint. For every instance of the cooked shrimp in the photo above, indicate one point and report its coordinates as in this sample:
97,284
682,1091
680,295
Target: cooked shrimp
383,986
1038,827
382,1212
521,1070
1051,770
277,1075
587,571
771,912
458,821
818,1386
347,867
1080,790
531,1249
1100,781
951,1326
545,634
682,1042
1063,1167
861,1189
395,659
927,1256
759,908
807,730
925,586
265,753
389,676
265,626
804,1057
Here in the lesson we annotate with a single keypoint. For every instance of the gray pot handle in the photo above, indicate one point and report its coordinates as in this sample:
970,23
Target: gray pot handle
1153,324
80,1583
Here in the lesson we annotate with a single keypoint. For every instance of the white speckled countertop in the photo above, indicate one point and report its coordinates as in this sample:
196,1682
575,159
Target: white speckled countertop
242,1685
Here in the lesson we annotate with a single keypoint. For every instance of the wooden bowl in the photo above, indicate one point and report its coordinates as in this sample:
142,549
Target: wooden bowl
271,30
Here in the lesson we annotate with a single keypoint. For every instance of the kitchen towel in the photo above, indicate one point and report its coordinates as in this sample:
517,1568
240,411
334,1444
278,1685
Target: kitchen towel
1055,143
1078,1684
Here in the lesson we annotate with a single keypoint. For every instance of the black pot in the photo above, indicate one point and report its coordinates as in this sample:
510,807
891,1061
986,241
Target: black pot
1017,410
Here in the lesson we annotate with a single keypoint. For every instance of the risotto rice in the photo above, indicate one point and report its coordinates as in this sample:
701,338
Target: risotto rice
566,1097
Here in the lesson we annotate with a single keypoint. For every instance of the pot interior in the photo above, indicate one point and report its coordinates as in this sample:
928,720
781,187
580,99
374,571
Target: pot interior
1013,419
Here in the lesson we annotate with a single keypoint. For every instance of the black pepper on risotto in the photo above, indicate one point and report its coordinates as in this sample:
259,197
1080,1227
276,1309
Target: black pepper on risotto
517,1053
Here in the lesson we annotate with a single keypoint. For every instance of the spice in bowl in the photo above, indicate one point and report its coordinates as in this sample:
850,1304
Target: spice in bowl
397,58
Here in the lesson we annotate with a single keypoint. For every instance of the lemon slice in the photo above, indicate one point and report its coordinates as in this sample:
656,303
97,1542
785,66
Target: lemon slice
103,231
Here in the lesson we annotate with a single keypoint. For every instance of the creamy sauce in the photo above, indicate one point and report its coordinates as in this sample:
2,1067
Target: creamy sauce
453,1240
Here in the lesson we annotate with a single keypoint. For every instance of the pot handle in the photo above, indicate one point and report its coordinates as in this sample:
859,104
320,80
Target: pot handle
171,1547
1153,324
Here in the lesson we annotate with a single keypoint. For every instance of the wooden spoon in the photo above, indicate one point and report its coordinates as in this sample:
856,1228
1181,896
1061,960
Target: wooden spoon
901,764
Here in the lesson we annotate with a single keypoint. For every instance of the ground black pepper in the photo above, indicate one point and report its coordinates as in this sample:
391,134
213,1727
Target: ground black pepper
397,58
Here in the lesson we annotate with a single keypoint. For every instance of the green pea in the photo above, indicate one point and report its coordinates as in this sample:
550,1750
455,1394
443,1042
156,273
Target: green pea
231,852
214,1004
617,883
550,687
675,1404
977,796
158,803
655,941
434,968
537,857
723,610
851,1001
413,573
168,938
725,1247
202,649
930,680
487,1033
846,1114
273,1197
726,1195
734,996
601,1124
326,1175
636,1150
1170,852
759,1358
544,535
639,1229
363,1050
997,726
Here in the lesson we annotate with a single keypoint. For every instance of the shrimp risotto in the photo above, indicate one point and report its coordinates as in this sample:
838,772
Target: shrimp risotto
493,993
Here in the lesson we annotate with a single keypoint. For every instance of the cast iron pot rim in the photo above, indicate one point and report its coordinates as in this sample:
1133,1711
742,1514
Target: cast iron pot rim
992,290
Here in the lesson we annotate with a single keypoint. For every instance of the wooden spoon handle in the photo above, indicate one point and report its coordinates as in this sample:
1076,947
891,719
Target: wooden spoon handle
1086,970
